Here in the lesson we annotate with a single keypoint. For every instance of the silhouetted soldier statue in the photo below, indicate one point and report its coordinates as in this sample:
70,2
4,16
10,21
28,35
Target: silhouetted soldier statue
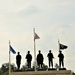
29,59
40,59
61,59
50,58
18,60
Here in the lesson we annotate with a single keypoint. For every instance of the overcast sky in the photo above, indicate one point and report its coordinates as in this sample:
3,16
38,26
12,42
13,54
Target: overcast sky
52,20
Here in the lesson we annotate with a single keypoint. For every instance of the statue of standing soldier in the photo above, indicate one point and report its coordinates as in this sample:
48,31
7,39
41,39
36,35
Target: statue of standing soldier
50,58
40,59
29,59
61,59
18,60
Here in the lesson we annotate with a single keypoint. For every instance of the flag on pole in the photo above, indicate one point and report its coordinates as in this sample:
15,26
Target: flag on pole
12,50
36,36
62,46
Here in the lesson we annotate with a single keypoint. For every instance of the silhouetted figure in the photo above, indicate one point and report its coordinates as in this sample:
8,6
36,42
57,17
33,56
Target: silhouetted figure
61,59
50,59
18,60
29,59
40,59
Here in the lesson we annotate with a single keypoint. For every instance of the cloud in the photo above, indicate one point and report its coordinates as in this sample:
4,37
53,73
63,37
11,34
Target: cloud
28,11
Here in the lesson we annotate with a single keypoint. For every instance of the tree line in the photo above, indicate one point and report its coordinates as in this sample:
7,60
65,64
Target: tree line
4,70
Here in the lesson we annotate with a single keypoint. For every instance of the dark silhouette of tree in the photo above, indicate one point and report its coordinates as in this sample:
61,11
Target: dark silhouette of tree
73,73
33,65
24,67
1,72
44,66
5,68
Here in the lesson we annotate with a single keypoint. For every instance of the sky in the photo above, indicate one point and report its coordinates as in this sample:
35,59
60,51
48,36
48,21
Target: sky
52,20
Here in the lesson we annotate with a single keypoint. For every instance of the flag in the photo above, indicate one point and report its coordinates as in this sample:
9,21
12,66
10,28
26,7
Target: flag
62,46
12,50
36,36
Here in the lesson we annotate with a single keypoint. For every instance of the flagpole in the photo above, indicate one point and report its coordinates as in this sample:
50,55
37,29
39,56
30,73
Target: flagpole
59,44
34,50
9,57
